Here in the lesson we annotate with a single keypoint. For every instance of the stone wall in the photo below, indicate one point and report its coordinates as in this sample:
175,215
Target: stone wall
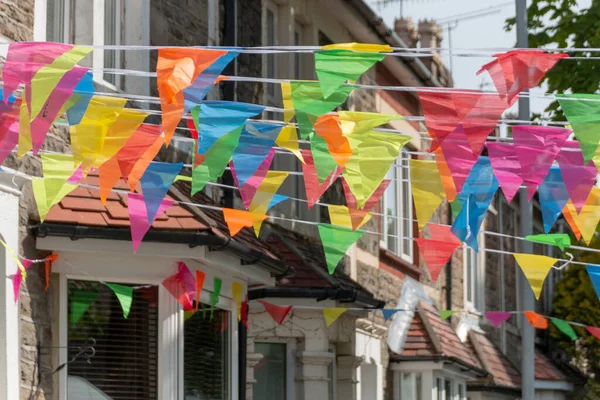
16,19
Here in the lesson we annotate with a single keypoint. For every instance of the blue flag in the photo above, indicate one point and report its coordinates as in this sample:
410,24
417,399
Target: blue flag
215,119
476,196
255,144
84,90
387,313
594,273
277,198
553,196
156,181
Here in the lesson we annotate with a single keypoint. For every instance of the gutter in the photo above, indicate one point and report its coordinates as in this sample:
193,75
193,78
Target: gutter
444,359
492,388
320,294
276,268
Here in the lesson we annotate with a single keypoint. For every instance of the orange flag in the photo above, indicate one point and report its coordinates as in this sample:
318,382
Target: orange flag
238,219
445,175
587,219
536,320
329,128
176,70
569,218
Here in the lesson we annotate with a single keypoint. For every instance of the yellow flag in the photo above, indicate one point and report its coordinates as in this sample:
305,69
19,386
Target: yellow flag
88,137
427,189
25,141
331,314
588,218
50,190
536,269
237,291
343,216
118,133
17,260
361,47
262,199
288,139
596,158
288,105
358,123
47,77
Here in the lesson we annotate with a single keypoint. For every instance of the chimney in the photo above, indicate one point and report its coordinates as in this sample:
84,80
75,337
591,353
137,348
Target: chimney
431,34
405,28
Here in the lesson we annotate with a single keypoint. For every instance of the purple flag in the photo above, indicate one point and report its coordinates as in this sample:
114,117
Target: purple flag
579,178
536,148
506,168
497,317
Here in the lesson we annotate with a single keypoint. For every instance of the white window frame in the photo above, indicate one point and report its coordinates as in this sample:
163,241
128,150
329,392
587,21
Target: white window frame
333,377
477,287
406,253
170,333
430,373
455,383
269,6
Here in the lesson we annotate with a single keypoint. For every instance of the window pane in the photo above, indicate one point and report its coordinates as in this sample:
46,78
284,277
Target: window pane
297,60
410,386
440,389
406,205
124,365
270,373
271,66
448,390
55,27
206,355
82,24
461,392
391,212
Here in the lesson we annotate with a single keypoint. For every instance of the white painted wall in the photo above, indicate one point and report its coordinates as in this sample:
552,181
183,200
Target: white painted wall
370,372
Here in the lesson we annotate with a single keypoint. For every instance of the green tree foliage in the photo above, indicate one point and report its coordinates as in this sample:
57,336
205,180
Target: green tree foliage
560,23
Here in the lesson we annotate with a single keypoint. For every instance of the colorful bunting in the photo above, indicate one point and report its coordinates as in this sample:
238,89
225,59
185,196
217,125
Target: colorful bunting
265,197
328,128
286,99
51,189
593,331
124,295
336,240
83,93
361,47
198,90
594,274
564,327
255,144
371,202
288,139
506,168
356,123
18,278
199,285
182,286
9,138
459,160
238,219
536,320
332,314
516,70
587,220
250,189
438,250
560,240
497,317
308,98
387,314
535,268
536,148
325,163
445,314
553,197
427,189
583,113
347,218
155,182
579,178
80,301
20,265
138,216
214,299
446,175
314,189
237,290
278,313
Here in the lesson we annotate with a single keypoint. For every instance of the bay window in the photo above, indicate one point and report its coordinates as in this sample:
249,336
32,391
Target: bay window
270,373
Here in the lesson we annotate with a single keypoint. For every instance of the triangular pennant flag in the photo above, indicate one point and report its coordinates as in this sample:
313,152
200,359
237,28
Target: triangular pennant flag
237,290
583,113
438,250
245,312
335,67
387,313
218,118
445,314
371,202
264,198
200,276
314,189
156,181
308,98
138,217
331,314
579,178
286,99
20,265
497,317
238,219
506,168
325,164
594,274
288,139
124,295
427,189
587,220
476,196
360,47
53,187
83,93
553,197
356,123
214,299
250,189
48,268
458,157
535,268
9,138
328,128
19,277
80,301
182,286
560,240
305,123
521,69
278,313
445,175
255,144
564,327
593,331
347,218
195,93
571,221
536,320
536,148
119,133
176,70
336,241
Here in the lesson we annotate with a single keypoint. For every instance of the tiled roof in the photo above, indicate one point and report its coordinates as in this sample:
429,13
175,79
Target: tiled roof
502,371
545,370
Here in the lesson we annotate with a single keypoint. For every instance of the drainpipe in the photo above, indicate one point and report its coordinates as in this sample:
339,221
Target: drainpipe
242,346
449,268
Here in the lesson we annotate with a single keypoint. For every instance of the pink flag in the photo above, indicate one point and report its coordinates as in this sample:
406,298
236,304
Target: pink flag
249,189
536,148
8,140
579,178
77,175
138,217
17,278
516,70
497,317
459,157
437,251
182,286
506,167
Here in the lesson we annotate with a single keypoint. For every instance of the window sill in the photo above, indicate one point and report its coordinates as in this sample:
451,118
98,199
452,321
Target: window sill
397,263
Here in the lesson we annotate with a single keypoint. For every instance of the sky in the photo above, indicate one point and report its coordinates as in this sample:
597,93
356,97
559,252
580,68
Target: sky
483,32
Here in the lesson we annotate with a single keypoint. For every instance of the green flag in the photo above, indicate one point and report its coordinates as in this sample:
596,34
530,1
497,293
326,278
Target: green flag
584,117
306,122
336,240
324,162
81,300
564,327
455,206
307,98
560,240
335,67
445,314
215,295
124,295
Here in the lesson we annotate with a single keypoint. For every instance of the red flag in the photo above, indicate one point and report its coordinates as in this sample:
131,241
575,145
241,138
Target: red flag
245,312
278,313
182,286
437,251
516,70
314,189
594,331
